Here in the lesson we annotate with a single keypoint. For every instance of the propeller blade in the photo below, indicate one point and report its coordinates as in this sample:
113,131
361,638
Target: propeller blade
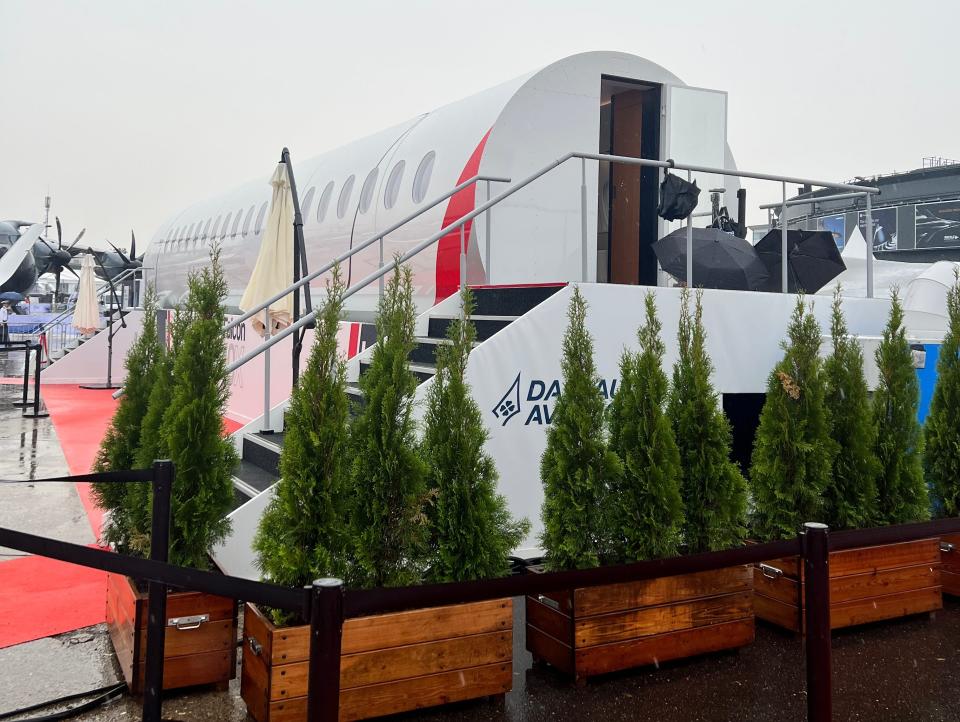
122,256
72,271
133,245
47,245
59,233
56,292
77,240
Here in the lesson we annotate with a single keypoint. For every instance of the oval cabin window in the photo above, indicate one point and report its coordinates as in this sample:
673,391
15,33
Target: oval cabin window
324,203
392,190
421,180
345,194
366,193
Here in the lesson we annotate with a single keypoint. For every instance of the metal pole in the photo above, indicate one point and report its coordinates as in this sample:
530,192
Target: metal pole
486,218
26,377
36,383
380,281
869,243
690,241
816,568
326,629
463,260
163,475
784,285
583,220
109,351
265,426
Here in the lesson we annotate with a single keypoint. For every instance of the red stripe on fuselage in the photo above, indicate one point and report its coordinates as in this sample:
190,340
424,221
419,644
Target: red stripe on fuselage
448,248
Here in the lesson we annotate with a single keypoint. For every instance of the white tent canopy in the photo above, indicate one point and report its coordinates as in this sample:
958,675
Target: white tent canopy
273,271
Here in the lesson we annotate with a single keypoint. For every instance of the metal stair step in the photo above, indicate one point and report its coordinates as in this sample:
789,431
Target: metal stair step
260,450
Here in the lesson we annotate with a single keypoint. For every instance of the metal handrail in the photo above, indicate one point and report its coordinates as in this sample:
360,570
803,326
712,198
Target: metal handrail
519,185
356,249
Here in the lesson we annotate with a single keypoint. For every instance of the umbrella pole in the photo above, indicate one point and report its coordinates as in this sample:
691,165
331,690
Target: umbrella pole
784,287
869,246
265,427
690,240
299,261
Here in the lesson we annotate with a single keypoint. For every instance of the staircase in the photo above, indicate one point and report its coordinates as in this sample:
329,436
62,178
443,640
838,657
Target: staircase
495,308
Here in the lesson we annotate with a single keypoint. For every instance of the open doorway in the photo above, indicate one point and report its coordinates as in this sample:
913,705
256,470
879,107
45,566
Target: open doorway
627,203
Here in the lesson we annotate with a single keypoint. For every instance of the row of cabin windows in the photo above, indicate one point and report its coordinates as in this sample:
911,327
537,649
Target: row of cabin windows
188,237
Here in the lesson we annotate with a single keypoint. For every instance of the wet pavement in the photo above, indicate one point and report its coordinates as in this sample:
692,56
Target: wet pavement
902,670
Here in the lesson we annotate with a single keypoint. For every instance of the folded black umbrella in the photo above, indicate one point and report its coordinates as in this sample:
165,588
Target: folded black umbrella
678,197
720,260
813,260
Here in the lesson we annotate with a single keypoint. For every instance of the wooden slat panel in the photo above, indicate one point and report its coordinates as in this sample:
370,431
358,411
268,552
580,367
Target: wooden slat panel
666,618
194,669
776,612
887,556
883,582
546,618
186,604
549,649
257,626
783,589
951,583
891,606
663,647
665,590
951,560
398,663
209,637
254,683
393,697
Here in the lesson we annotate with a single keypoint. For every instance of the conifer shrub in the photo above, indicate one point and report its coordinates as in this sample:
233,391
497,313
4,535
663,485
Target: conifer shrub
389,524
851,496
793,452
577,464
118,449
304,532
713,490
901,490
192,424
644,509
472,530
942,427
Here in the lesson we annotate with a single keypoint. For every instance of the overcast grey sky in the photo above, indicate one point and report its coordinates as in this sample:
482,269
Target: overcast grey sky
128,111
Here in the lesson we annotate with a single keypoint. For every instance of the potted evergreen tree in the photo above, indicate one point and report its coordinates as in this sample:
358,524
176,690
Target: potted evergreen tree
184,422
395,487
941,433
810,465
639,512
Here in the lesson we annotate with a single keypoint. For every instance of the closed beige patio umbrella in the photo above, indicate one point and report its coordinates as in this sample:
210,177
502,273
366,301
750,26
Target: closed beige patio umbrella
273,271
86,313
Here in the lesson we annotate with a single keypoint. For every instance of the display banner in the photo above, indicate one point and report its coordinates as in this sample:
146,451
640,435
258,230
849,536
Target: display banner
884,228
836,226
938,224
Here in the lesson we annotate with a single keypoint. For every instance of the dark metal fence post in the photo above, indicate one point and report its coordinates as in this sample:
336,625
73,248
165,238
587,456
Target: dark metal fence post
157,610
816,570
37,412
326,628
26,377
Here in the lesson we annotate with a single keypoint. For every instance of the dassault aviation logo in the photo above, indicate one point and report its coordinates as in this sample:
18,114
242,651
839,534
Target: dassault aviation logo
539,393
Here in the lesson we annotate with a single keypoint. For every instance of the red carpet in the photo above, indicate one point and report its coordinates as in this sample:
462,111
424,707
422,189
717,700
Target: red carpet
42,597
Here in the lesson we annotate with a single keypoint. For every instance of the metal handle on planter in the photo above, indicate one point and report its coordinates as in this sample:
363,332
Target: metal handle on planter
770,572
947,547
255,646
553,603
187,623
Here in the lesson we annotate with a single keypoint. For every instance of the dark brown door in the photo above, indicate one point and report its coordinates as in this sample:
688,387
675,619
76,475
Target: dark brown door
625,188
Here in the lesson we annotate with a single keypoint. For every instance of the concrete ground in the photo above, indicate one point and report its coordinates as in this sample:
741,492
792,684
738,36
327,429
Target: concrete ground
903,670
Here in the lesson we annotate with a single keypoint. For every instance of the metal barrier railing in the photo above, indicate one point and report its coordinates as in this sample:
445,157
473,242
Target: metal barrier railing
326,603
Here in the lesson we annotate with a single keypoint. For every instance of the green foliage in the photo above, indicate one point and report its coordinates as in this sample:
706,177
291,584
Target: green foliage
303,533
644,509
901,490
118,450
793,453
851,497
389,525
472,531
713,490
942,427
577,464
193,423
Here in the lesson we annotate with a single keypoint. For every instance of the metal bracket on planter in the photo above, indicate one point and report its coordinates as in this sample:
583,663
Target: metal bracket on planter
770,572
255,646
548,601
947,547
186,623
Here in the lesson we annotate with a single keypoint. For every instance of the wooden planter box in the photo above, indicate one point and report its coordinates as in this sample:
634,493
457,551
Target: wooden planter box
866,585
194,652
595,630
389,663
950,572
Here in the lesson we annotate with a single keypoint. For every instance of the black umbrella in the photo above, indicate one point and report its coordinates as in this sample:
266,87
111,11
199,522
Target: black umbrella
813,260
720,260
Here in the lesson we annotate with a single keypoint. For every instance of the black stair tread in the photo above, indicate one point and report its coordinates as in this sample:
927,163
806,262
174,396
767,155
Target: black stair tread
253,476
485,327
276,438
260,451
510,300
